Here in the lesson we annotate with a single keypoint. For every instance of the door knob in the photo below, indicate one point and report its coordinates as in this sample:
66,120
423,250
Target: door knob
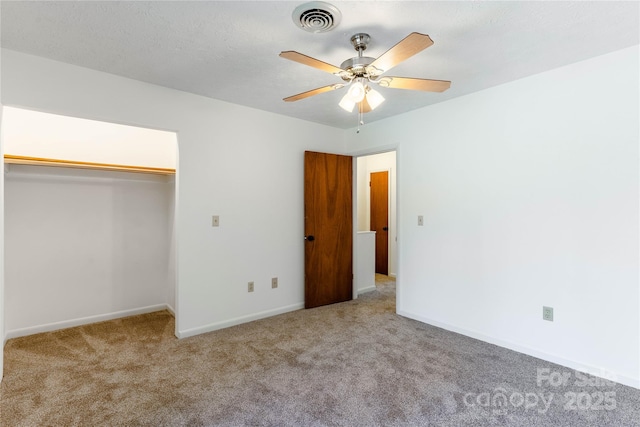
385,228
309,238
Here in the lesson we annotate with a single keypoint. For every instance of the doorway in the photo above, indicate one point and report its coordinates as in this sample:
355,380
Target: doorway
379,218
375,211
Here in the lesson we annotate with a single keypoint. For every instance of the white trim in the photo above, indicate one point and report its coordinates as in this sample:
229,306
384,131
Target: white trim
367,289
371,151
84,321
399,228
239,320
354,227
176,238
3,335
573,364
171,310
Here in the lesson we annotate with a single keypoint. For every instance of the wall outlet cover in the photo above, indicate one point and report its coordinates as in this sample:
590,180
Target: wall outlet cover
547,313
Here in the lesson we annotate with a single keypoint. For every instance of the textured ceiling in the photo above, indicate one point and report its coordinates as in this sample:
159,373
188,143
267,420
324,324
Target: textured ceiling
228,50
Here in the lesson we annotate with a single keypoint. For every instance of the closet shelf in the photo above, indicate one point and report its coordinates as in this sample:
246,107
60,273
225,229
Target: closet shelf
38,161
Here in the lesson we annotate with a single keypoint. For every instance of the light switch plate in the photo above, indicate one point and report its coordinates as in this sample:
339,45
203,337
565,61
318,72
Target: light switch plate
420,220
215,221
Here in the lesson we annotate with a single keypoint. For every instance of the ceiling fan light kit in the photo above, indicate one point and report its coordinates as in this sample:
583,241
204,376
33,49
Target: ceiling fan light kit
374,98
346,103
360,72
356,91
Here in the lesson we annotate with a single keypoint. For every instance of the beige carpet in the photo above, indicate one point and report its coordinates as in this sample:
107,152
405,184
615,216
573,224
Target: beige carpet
349,364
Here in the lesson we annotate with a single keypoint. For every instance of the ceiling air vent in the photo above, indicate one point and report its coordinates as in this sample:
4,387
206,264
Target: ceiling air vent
316,16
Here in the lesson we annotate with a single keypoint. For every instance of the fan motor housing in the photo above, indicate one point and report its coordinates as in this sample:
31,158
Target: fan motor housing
360,41
358,65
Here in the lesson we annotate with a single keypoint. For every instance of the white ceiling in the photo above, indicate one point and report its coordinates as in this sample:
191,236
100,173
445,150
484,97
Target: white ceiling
228,50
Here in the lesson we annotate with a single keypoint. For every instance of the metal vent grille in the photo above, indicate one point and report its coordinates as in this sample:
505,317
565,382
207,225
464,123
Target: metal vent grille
316,17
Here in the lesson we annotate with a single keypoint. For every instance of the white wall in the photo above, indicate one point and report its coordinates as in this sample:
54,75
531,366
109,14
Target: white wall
52,136
2,335
242,164
378,163
83,245
365,265
530,197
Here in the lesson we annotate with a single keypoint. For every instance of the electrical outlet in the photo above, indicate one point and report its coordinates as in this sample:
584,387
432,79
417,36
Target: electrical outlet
250,287
420,220
547,313
274,283
215,221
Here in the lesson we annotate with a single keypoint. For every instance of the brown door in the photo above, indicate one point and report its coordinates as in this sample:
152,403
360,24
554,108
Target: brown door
379,197
328,229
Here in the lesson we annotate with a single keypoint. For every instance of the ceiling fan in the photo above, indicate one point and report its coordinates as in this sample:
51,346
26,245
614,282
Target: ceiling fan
361,71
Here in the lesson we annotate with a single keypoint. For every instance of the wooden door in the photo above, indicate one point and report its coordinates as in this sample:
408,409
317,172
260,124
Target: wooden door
379,198
328,229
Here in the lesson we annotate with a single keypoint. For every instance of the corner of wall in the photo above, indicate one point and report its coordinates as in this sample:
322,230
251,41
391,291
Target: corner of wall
2,331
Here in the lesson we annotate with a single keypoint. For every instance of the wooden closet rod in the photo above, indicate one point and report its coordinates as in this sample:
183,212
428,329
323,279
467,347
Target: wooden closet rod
39,161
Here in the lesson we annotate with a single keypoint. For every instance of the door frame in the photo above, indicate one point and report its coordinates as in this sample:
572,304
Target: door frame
371,152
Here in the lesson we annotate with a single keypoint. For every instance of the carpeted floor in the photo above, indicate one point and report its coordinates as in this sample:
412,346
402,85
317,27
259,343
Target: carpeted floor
349,364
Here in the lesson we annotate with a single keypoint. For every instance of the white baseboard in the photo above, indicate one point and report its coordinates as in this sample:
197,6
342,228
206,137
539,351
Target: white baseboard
83,321
367,289
238,321
171,310
572,364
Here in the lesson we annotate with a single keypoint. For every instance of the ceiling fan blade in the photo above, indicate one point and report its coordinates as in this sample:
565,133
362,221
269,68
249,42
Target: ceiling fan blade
404,49
414,84
312,92
311,62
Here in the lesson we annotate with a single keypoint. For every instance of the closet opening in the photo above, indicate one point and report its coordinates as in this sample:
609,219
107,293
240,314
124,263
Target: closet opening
89,213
